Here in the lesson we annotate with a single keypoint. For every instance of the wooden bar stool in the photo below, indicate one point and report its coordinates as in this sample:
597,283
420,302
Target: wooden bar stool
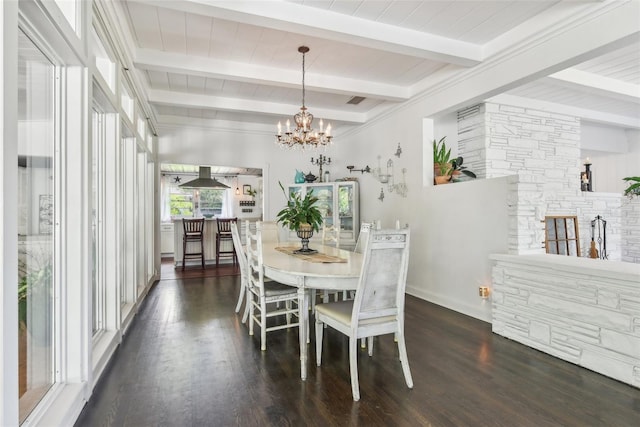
224,237
193,233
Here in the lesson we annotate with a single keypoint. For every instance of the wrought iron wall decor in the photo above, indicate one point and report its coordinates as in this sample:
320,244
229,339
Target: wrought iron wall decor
320,161
352,168
388,177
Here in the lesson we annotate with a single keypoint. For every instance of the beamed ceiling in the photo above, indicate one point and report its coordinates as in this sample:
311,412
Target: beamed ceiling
236,62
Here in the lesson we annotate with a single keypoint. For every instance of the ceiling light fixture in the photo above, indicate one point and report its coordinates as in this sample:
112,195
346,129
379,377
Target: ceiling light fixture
303,136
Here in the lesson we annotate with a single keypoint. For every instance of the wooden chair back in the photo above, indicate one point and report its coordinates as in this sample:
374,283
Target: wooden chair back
224,225
193,228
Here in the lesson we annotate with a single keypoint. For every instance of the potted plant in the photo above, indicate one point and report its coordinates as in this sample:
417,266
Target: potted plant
459,172
633,190
301,215
441,162
34,288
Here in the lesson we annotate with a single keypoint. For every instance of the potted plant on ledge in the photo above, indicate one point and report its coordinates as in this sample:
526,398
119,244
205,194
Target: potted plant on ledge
460,173
441,162
633,190
302,216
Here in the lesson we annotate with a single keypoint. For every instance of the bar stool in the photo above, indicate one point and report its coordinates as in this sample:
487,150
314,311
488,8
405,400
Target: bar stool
193,233
224,237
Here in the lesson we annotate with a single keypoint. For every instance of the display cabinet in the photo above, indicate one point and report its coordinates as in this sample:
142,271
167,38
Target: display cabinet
339,204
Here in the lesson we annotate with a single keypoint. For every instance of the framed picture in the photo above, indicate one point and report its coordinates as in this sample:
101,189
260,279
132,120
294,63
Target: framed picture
45,214
246,189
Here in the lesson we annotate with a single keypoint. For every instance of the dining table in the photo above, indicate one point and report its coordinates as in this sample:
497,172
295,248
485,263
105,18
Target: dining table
330,269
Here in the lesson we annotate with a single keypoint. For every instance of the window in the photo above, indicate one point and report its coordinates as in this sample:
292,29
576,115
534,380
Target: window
106,67
36,224
190,202
211,202
98,282
561,234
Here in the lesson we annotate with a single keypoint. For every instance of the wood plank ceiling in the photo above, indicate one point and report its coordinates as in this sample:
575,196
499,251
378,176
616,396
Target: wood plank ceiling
237,61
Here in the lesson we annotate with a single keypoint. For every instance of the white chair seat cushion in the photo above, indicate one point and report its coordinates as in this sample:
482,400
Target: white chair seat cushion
340,311
272,288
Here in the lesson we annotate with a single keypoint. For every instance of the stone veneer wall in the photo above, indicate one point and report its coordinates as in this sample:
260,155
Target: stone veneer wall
630,239
542,150
583,311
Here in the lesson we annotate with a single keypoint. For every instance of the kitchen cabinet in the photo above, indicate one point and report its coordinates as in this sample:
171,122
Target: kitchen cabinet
339,204
166,238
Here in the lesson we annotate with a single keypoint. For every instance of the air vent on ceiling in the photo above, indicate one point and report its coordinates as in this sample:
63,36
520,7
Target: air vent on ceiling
355,100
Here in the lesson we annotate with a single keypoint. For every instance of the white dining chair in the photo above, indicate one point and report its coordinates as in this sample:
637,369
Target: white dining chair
239,247
365,228
331,235
270,232
378,306
262,296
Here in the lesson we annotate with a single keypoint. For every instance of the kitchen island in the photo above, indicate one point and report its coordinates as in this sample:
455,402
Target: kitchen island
210,231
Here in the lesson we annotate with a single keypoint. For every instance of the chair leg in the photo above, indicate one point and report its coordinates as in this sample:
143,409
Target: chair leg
370,341
217,250
202,253
247,303
263,325
184,253
287,306
240,296
319,332
251,311
353,367
404,360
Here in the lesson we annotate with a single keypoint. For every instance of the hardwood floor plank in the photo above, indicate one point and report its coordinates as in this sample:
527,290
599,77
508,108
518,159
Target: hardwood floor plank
187,360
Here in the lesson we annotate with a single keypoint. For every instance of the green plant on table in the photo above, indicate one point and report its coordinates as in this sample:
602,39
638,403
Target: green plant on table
300,210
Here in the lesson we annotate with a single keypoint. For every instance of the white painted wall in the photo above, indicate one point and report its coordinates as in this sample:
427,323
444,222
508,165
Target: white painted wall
454,227
614,154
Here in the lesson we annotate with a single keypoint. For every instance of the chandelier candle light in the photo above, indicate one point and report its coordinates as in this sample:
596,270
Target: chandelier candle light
303,135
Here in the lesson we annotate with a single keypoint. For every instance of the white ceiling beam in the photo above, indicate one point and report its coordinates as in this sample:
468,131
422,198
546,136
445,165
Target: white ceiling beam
169,122
582,113
295,18
270,76
597,84
603,27
194,100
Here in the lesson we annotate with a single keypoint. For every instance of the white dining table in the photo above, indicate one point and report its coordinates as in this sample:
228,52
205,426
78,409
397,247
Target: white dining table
294,271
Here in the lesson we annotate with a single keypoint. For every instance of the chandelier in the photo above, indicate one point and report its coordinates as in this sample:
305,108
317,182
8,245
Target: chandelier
303,135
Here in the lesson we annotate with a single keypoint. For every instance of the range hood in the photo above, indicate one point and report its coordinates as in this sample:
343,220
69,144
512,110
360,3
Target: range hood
204,180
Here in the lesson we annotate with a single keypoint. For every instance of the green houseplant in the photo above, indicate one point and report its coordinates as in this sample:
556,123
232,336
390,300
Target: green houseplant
633,190
301,215
457,170
441,161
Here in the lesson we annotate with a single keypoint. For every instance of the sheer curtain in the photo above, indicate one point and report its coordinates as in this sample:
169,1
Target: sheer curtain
228,210
165,211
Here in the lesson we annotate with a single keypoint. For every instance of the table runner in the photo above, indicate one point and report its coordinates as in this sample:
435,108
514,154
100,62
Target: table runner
317,257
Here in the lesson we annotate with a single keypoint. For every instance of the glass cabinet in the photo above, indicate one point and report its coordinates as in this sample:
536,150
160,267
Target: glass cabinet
338,203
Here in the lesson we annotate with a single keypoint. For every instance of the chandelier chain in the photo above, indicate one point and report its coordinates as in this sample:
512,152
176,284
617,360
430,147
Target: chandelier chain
303,55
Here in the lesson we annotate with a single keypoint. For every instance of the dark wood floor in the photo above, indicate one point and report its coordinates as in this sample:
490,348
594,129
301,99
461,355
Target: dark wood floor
188,361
